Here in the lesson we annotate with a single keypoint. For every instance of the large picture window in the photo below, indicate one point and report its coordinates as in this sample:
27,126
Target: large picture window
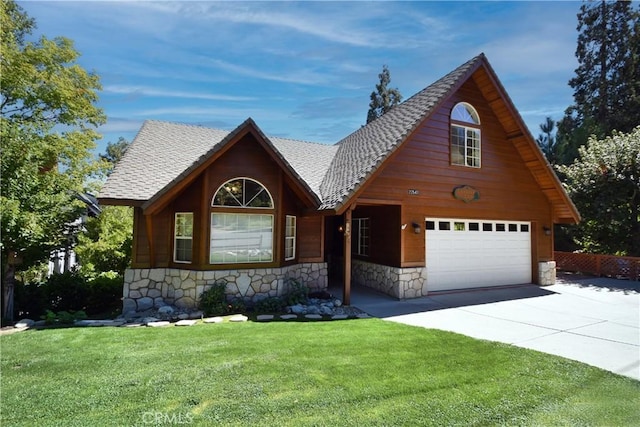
290,238
465,136
241,238
183,237
238,238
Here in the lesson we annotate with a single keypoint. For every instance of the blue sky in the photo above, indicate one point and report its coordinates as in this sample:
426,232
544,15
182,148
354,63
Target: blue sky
305,70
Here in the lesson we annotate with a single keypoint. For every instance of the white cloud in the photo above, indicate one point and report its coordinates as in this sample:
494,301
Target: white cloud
167,93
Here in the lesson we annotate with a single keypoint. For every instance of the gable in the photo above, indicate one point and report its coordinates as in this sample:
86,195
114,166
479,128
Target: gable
363,154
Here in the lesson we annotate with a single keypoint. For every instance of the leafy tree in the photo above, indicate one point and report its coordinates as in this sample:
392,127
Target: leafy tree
547,141
114,152
47,133
607,81
604,183
106,243
383,98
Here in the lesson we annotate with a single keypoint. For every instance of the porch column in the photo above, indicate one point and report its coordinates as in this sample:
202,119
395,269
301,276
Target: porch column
346,298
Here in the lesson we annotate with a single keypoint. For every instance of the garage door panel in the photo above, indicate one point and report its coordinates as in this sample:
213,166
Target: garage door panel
459,257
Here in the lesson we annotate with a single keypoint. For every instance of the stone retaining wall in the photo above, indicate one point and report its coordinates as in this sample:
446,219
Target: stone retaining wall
401,283
145,288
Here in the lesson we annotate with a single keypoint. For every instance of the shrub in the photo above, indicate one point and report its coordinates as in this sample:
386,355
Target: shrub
63,317
213,301
66,291
270,305
236,305
71,291
297,293
29,300
105,292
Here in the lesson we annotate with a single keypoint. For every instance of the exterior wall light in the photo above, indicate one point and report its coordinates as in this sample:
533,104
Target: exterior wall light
547,231
416,228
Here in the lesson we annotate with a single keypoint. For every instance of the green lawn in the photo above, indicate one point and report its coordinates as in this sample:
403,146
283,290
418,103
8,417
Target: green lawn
364,372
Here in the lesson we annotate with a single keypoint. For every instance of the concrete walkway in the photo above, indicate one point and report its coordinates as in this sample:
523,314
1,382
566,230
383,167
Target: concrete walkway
591,320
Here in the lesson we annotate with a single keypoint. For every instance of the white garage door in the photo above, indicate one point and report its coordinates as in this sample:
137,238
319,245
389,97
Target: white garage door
464,253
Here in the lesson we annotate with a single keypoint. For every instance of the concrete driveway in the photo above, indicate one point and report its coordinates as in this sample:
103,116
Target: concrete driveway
591,320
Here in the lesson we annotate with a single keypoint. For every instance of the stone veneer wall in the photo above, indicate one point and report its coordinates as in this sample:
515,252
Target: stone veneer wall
410,282
145,288
547,273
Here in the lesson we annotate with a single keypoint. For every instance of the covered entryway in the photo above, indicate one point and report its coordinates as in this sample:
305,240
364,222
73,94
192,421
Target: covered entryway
465,253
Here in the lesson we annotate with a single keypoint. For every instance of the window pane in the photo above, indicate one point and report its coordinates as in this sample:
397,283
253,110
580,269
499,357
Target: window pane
500,227
487,226
458,226
465,113
182,241
474,226
241,238
290,237
444,225
243,192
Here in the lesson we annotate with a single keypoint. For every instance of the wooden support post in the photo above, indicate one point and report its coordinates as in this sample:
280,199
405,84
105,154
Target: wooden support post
346,298
152,250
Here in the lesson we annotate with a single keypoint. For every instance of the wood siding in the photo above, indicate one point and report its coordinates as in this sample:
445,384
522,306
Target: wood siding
246,158
508,190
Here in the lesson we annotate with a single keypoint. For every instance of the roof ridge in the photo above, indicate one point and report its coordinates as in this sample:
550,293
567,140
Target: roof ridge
363,150
300,140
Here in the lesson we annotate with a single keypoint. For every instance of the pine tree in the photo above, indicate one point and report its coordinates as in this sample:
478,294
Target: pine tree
383,98
607,81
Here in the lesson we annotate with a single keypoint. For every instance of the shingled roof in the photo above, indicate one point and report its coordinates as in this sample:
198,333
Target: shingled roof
362,152
163,152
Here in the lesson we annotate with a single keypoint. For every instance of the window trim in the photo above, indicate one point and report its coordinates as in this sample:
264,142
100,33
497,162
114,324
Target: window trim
360,225
176,238
467,127
290,238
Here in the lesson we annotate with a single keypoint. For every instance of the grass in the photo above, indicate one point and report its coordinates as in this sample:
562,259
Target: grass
350,373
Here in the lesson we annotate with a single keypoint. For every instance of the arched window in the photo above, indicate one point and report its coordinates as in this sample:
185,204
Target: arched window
243,193
465,136
238,237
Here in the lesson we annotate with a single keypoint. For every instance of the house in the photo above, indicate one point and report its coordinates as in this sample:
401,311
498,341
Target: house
448,190
63,259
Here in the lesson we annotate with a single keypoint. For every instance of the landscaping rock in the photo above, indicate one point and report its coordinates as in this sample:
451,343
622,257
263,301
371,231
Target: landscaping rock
186,322
339,317
297,309
183,316
150,320
337,303
212,320
238,318
145,303
288,316
166,310
313,316
158,324
25,323
264,317
196,315
133,325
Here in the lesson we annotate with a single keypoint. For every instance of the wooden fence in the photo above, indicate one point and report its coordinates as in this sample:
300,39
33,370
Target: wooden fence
620,267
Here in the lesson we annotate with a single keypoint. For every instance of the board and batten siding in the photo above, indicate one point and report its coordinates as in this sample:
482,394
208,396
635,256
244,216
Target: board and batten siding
508,190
